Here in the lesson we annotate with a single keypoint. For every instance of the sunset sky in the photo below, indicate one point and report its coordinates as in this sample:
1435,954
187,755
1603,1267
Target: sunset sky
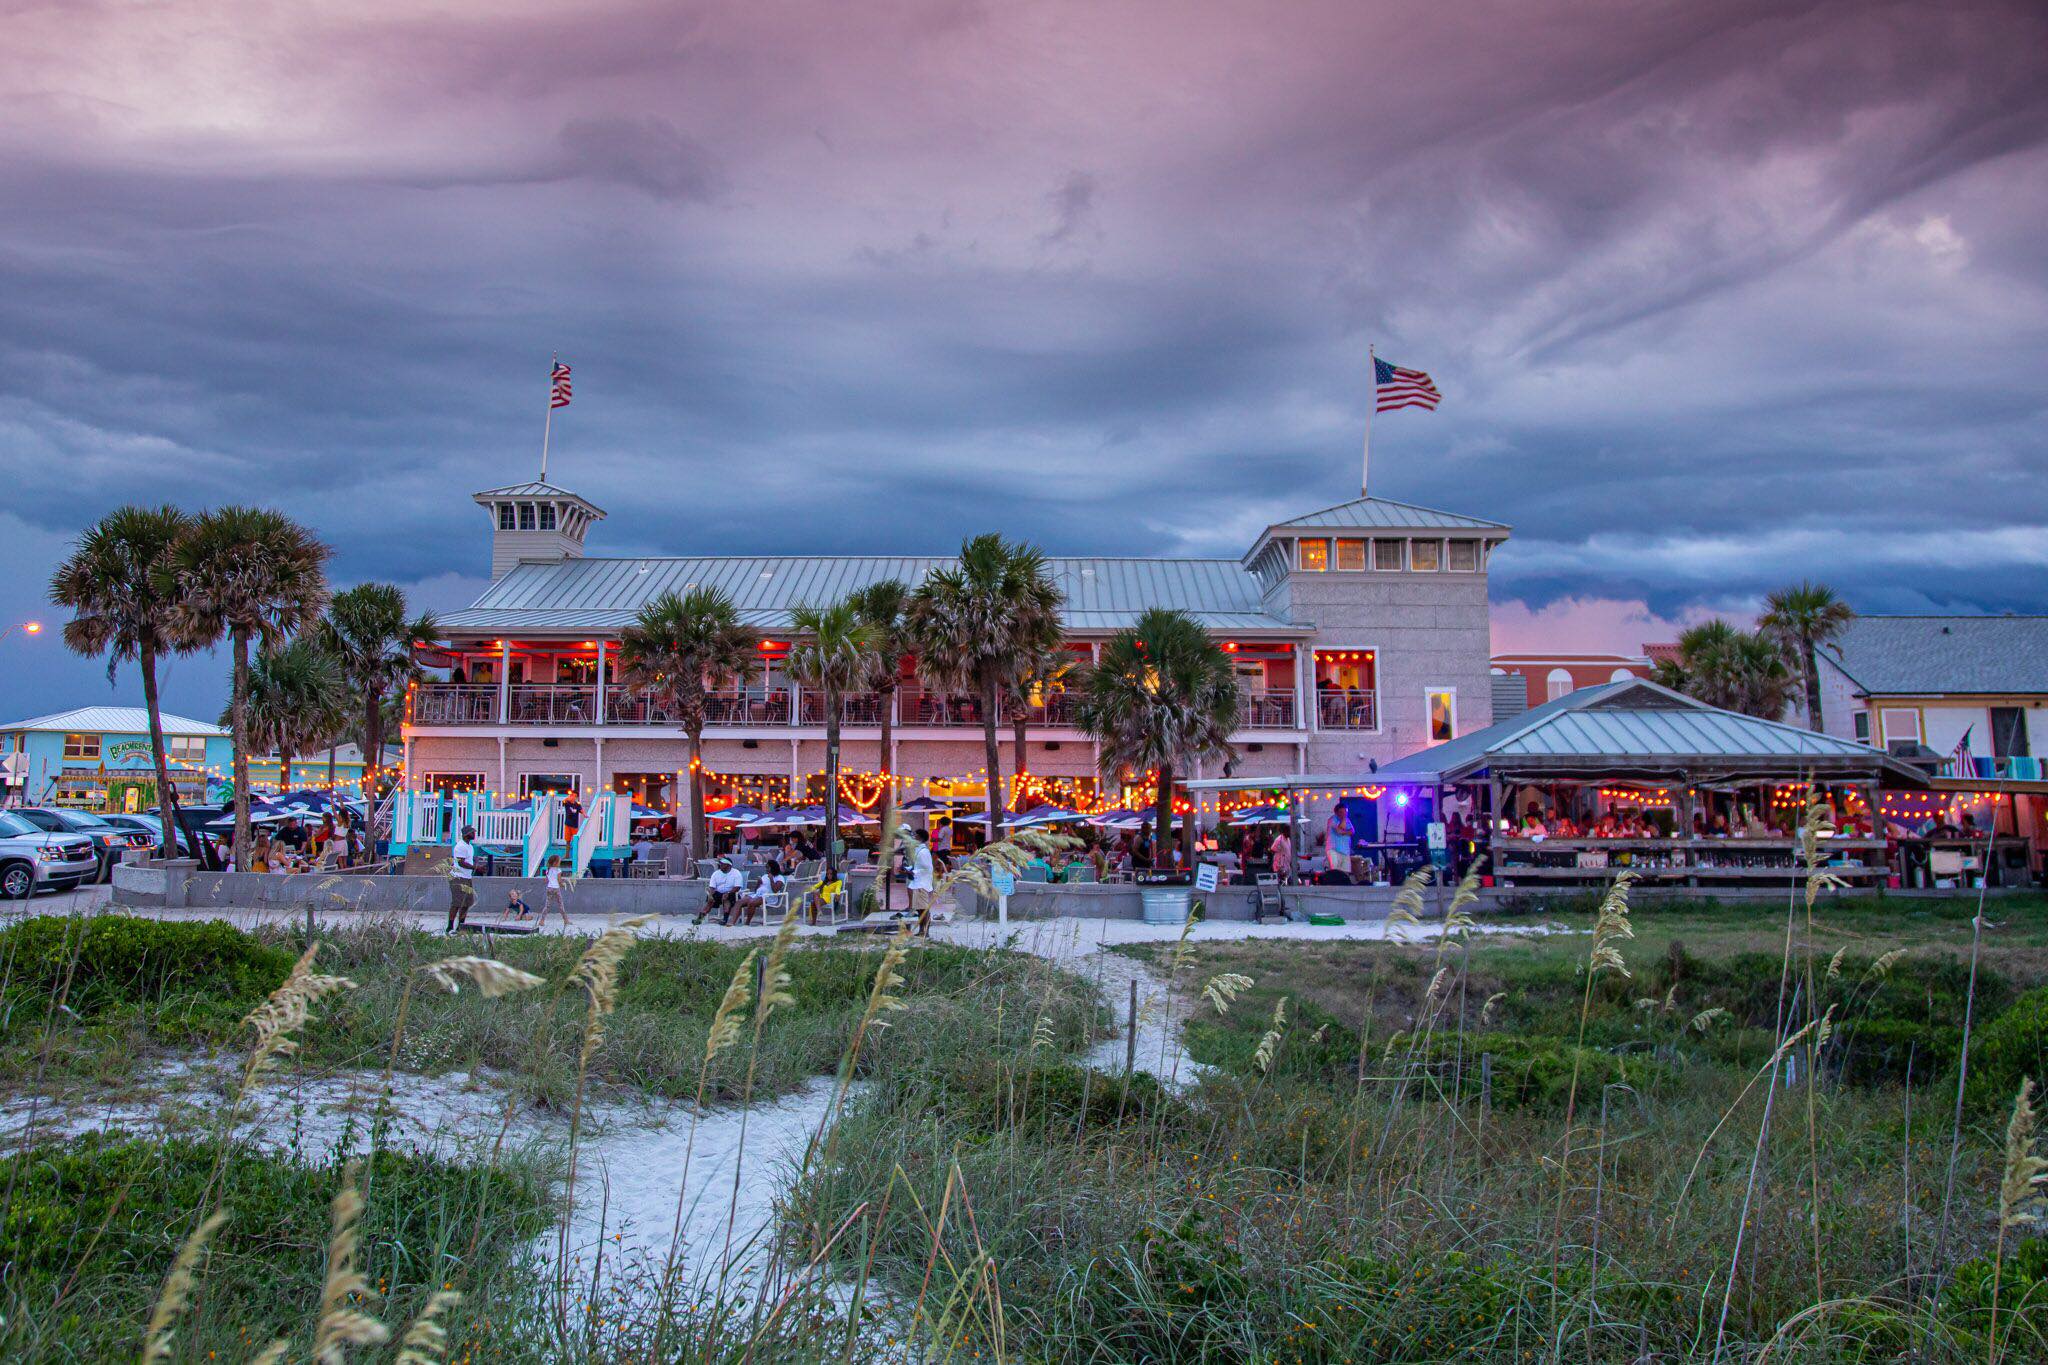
1719,294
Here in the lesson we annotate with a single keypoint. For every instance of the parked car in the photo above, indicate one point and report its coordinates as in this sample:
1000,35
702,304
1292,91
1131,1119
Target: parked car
33,859
108,841
148,826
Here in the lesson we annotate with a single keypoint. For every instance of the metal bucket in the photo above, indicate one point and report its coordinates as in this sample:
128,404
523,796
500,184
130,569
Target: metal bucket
1164,904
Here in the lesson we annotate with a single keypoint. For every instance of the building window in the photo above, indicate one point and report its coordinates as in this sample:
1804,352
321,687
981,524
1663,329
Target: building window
82,748
526,516
187,749
1557,684
1386,555
1351,556
560,784
506,516
547,516
1443,714
1425,556
1622,675
445,783
1900,724
2009,732
1863,726
1346,689
1464,556
1312,556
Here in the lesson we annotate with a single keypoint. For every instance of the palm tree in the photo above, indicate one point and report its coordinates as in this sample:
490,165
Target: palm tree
116,584
1802,621
677,650
1729,668
1163,697
881,606
1040,672
251,575
974,624
371,638
296,702
833,653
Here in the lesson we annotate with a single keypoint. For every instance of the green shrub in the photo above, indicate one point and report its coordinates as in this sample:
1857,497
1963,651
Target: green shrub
2013,1046
99,1219
195,979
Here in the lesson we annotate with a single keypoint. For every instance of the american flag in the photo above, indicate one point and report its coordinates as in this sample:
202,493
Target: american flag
560,396
1959,758
1399,388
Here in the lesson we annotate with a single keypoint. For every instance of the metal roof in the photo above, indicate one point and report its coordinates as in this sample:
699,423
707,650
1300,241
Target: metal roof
1386,514
114,720
1102,594
1617,725
1510,696
537,489
1925,655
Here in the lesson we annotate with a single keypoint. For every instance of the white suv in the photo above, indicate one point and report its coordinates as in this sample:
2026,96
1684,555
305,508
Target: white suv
33,860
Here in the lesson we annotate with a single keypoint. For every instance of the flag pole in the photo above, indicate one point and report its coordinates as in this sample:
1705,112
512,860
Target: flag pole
548,422
1372,398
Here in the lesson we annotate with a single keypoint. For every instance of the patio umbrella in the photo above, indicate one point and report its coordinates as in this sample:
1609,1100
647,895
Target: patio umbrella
923,805
1258,815
736,814
786,817
1111,817
1045,813
847,815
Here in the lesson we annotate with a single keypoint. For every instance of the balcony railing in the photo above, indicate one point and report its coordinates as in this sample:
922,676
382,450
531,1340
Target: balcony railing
859,709
551,704
1266,708
627,706
748,706
1346,709
1056,709
455,704
917,707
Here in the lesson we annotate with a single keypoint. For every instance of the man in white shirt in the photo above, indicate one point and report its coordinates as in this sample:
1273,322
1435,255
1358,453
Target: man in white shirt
461,874
722,893
918,859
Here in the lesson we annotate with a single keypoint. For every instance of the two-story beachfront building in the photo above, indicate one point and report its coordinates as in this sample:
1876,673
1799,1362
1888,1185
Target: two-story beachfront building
100,756
1359,633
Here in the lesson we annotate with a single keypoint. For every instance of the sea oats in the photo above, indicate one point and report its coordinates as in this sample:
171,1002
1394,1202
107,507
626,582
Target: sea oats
1835,962
1042,1033
732,1009
285,1012
426,1341
1707,1018
491,977
597,971
1269,1045
1223,988
2019,1191
1486,1010
342,1323
177,1291
775,978
1407,911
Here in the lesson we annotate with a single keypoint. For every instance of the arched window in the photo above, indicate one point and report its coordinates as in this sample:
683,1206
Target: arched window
1559,683
1621,675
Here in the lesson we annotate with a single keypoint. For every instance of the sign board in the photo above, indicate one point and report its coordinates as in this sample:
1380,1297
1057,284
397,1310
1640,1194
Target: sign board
1206,877
1436,836
126,751
1004,882
14,770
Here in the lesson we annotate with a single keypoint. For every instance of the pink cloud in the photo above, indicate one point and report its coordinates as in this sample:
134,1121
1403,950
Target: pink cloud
1594,625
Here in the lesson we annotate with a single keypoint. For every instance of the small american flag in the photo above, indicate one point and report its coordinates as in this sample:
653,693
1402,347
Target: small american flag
1399,388
1959,758
559,398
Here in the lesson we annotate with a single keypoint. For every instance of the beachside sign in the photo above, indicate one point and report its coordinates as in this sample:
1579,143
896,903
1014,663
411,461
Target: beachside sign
122,752
1205,877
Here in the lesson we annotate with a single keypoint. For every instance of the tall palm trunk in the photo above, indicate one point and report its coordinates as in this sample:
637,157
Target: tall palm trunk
831,784
333,743
166,802
1020,733
698,847
997,797
1809,658
373,743
1162,818
888,816
284,768
238,716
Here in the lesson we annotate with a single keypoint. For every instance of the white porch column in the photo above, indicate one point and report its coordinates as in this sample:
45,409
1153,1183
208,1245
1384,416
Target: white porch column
795,751
604,648
504,683
600,785
1305,685
503,779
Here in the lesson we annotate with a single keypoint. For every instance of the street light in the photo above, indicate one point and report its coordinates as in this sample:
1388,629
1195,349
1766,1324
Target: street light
26,628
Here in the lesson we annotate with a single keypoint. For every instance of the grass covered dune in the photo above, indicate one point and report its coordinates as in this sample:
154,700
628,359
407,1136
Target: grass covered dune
1706,1133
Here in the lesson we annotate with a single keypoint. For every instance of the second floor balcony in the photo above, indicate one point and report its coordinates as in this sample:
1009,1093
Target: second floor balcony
441,705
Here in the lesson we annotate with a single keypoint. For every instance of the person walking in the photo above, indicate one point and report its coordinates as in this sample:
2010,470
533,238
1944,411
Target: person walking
1283,857
921,879
572,820
461,879
554,899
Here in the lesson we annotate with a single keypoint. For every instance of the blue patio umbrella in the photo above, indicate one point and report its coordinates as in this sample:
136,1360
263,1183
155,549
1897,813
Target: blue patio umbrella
736,814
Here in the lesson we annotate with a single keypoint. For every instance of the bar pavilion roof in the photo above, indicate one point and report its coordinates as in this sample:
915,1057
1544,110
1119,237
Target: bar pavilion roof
1638,729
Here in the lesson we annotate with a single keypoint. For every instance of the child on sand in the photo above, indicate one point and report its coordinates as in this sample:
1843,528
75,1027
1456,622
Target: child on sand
553,900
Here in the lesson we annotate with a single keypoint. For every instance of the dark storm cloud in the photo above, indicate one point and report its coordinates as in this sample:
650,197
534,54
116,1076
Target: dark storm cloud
1719,294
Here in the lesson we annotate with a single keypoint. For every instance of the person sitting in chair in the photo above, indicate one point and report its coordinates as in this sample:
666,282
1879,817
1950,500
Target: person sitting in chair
723,892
